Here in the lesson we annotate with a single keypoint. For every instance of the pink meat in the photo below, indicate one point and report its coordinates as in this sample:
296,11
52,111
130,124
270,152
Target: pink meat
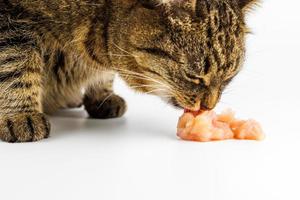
208,126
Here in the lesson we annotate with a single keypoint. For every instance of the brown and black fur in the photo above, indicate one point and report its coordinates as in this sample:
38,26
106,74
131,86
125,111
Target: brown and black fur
185,51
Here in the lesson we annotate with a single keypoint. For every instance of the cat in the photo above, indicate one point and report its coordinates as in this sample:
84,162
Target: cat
184,51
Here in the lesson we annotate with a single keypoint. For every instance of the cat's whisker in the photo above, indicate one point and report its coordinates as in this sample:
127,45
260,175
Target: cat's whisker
145,76
104,100
128,73
139,77
165,95
156,87
145,86
117,55
123,50
153,91
159,85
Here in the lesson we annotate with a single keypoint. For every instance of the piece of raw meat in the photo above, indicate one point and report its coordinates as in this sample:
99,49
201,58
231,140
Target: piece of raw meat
208,126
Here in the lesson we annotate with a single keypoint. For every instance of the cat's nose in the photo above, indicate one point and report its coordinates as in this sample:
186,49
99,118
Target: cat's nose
205,107
210,101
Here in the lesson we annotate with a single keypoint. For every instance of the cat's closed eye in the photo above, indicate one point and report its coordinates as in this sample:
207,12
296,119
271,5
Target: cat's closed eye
196,79
158,52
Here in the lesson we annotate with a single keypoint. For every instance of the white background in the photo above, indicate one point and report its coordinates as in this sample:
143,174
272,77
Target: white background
139,157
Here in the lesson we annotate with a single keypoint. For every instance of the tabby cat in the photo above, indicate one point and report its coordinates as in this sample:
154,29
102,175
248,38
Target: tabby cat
185,51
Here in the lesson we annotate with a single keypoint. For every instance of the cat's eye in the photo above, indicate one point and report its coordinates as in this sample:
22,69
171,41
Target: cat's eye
196,80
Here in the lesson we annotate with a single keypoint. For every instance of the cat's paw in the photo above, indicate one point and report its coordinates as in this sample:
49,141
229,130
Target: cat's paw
24,127
106,106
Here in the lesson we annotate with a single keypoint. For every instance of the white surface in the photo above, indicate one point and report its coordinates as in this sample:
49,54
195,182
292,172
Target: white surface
139,157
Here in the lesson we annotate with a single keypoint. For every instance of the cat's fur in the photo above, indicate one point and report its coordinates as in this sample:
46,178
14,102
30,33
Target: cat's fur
185,51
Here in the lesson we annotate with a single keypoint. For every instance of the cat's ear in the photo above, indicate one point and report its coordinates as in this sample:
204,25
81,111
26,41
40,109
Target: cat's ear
247,4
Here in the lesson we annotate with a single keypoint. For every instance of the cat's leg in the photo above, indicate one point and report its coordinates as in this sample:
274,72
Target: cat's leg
21,117
101,102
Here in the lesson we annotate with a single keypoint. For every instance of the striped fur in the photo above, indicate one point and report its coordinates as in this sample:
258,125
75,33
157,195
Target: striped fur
51,51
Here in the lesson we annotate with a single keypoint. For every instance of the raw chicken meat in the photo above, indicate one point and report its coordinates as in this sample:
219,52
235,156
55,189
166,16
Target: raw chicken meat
208,126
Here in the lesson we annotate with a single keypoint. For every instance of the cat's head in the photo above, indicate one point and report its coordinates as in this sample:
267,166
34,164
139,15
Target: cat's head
185,51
